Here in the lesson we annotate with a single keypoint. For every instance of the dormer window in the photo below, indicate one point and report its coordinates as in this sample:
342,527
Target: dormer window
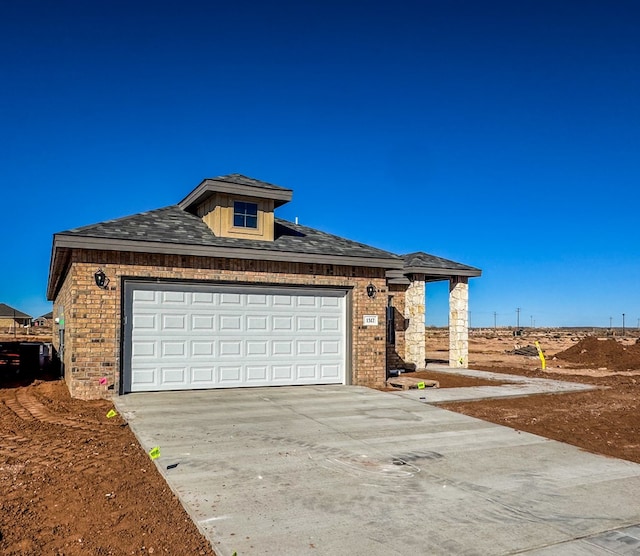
245,215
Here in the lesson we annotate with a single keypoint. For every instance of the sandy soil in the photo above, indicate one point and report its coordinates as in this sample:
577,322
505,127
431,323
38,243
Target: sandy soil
74,482
604,421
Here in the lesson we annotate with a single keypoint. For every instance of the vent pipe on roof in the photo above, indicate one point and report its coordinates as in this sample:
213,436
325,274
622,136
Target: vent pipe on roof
296,220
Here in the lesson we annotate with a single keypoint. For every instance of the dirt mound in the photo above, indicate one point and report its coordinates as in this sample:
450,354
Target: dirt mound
594,353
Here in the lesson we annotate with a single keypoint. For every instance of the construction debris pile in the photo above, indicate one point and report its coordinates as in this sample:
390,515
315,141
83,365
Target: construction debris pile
524,350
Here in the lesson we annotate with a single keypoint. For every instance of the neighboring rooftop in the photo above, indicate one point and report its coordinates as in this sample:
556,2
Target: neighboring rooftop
9,312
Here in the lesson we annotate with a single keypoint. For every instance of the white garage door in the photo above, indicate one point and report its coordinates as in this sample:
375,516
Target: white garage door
181,337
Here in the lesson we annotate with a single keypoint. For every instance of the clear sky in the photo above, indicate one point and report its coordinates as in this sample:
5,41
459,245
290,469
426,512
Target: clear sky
500,134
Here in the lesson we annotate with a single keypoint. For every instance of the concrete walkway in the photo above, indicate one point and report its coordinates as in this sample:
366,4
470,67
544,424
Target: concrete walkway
328,470
518,386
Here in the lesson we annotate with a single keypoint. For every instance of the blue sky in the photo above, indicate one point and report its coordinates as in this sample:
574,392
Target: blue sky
501,134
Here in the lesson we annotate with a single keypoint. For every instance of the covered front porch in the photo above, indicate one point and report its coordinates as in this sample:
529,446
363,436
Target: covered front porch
406,310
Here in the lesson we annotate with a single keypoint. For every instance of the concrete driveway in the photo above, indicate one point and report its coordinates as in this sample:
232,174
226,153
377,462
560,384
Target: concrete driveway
328,470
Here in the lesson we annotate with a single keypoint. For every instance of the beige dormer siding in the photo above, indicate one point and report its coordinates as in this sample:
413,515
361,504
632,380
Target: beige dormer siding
217,214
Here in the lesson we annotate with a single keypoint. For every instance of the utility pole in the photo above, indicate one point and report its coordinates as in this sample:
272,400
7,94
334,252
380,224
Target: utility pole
623,324
495,321
610,322
531,321
518,318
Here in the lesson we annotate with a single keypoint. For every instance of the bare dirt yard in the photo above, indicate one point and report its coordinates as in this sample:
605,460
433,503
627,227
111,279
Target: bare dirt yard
74,482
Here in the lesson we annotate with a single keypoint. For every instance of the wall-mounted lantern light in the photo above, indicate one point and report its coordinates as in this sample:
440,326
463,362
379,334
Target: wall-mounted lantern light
371,290
101,279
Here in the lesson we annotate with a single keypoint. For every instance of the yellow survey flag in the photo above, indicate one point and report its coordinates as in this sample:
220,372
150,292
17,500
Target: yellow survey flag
542,359
154,453
112,413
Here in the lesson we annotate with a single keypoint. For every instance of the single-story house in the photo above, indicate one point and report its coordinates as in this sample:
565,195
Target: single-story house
44,320
217,292
12,319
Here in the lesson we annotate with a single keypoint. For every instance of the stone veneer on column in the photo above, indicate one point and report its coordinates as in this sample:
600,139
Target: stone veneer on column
414,310
459,322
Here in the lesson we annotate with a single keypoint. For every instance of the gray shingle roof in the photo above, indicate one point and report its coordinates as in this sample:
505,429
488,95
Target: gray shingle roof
175,226
419,261
9,312
245,180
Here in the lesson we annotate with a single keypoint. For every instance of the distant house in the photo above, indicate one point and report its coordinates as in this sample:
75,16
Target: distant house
217,292
44,320
12,319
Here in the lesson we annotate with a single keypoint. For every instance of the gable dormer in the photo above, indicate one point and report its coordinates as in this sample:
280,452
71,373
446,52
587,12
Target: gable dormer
237,206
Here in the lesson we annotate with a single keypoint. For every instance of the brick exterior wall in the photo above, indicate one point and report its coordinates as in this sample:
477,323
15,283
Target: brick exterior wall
92,315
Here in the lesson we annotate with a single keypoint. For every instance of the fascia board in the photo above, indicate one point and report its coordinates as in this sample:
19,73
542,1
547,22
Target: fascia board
471,272
209,187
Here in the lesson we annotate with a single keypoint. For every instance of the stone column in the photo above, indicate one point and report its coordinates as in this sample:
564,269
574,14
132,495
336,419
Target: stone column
414,310
459,322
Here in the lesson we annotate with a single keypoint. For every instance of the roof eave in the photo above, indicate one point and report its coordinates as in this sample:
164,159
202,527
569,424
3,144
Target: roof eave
469,271
108,244
209,187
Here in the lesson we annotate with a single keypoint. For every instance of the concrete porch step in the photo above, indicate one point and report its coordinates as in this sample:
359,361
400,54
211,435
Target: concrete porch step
408,382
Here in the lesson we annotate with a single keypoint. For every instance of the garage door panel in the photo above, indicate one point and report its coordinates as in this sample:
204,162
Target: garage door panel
282,348
282,301
329,302
205,299
329,324
202,376
211,337
257,300
142,349
230,323
145,322
232,374
307,372
204,323
202,349
145,378
283,373
257,373
307,324
329,347
282,324
306,348
329,372
174,376
257,348
174,298
174,349
307,301
230,299
257,323
142,297
232,348
174,322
